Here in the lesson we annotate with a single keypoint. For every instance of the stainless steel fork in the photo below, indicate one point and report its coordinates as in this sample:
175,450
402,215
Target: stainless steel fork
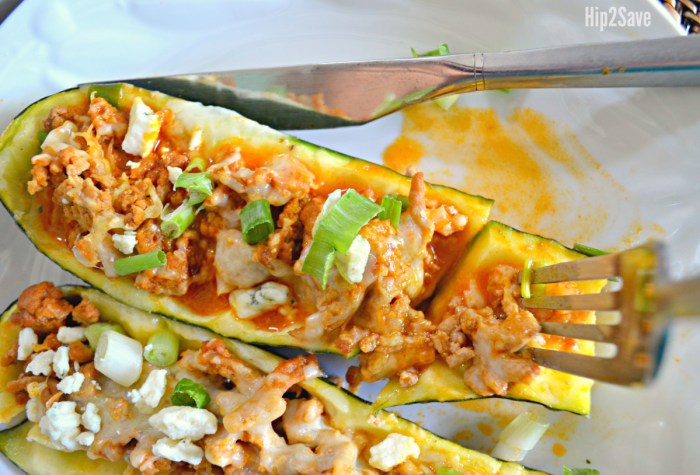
645,299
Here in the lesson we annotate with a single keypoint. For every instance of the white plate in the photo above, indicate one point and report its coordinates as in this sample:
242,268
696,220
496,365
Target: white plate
645,139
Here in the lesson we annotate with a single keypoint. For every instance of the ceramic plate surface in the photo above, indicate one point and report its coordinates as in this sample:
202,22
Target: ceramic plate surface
645,142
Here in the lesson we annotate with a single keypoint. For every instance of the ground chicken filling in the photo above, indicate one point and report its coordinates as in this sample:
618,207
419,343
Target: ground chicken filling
106,181
251,422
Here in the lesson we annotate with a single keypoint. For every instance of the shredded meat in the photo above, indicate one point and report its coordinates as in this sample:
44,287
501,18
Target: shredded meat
285,243
85,312
486,341
267,403
215,358
50,343
42,308
59,115
18,387
107,120
280,179
171,279
80,352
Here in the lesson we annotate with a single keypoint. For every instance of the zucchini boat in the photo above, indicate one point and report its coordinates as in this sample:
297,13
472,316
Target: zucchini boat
197,404
205,216
481,358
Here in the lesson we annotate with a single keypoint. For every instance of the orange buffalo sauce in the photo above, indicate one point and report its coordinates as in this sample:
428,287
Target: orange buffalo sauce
541,177
274,321
203,300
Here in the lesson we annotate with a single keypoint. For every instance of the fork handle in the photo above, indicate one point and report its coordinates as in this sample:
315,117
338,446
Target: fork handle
660,62
680,298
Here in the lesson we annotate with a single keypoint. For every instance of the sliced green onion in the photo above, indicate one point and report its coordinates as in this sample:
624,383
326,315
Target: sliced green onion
580,471
162,349
345,219
175,223
94,331
442,470
256,221
140,262
200,182
520,436
588,250
525,277
441,50
189,393
391,210
196,163
119,358
405,203
319,260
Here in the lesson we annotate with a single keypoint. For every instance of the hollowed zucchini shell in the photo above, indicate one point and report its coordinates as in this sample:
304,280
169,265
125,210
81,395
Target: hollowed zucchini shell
20,141
496,244
345,410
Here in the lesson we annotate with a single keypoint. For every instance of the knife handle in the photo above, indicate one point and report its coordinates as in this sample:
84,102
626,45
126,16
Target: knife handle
661,62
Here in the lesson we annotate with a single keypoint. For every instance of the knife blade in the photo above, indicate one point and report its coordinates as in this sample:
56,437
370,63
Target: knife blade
352,93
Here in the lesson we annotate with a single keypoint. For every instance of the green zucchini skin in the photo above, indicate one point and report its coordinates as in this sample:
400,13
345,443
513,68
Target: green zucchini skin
345,410
498,243
20,141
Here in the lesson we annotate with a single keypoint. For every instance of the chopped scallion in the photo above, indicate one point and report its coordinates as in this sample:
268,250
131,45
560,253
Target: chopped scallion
441,50
580,471
200,182
588,250
442,470
175,223
94,331
319,260
140,262
525,277
391,210
256,221
189,393
405,203
119,357
162,349
345,219
197,163
520,436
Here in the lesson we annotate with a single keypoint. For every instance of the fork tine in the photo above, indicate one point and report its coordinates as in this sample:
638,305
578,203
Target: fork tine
611,371
603,301
591,268
580,331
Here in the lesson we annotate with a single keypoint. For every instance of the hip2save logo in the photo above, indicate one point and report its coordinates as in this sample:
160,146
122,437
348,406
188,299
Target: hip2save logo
616,17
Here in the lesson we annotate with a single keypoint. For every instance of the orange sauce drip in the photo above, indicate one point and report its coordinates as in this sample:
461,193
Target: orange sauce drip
541,177
485,429
203,300
403,153
558,449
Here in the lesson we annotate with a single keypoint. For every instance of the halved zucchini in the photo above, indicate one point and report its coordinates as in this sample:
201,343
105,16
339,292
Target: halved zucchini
21,141
500,244
345,410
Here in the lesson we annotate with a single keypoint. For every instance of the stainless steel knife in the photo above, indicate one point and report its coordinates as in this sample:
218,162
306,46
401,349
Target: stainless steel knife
352,93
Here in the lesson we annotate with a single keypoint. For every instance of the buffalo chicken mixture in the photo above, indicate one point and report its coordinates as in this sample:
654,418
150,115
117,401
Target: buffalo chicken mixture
132,193
87,387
